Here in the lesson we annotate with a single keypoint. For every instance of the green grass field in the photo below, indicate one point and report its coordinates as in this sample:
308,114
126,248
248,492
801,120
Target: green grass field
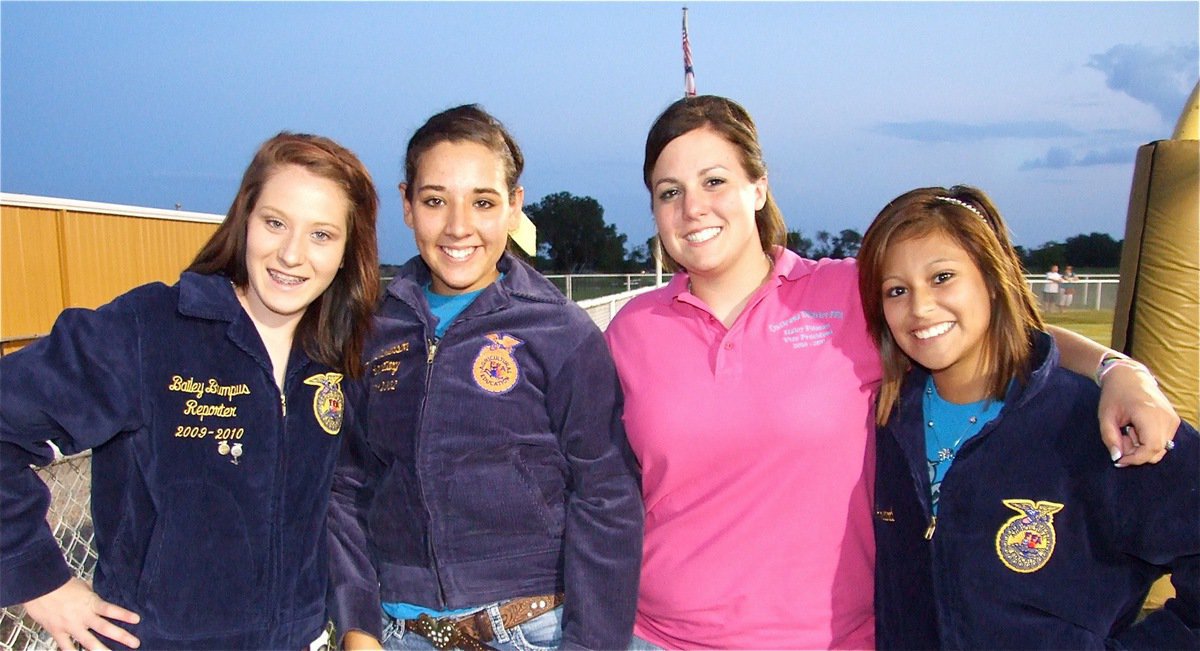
1093,324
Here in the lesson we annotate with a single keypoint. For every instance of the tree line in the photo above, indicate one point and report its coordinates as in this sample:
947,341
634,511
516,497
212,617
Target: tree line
573,238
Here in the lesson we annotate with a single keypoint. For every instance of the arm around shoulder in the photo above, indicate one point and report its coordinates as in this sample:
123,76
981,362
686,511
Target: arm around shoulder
1167,534
1129,395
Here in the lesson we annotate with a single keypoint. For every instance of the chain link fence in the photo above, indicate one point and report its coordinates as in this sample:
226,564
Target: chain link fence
70,517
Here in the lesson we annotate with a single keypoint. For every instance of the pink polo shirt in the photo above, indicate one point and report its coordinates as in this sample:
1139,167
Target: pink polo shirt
757,454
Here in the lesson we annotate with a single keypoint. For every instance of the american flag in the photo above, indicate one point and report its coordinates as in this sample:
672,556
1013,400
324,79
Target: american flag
689,75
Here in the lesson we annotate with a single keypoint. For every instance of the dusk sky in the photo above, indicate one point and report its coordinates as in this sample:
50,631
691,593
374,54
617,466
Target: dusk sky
1043,105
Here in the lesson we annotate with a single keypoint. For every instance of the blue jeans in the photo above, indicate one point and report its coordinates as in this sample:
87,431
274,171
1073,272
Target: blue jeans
542,633
638,644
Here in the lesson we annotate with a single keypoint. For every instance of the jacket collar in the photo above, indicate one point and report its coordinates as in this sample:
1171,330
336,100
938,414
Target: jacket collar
208,296
211,296
520,281
1043,360
788,266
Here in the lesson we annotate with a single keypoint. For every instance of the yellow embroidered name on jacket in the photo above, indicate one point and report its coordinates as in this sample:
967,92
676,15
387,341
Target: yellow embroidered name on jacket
398,348
211,388
390,367
194,408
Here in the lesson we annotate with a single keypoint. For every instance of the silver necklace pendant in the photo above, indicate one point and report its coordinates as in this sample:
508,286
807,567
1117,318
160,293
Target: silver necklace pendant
945,452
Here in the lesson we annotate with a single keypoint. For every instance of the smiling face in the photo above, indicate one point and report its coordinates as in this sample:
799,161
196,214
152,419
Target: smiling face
295,240
704,205
937,307
461,213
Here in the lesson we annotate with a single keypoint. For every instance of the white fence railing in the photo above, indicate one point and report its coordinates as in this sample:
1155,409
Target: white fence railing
1092,292
603,309
582,287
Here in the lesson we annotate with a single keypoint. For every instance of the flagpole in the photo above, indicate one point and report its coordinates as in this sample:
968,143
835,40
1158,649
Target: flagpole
689,90
689,75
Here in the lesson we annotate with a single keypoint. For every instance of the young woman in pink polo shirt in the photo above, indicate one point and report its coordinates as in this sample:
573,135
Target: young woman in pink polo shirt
748,387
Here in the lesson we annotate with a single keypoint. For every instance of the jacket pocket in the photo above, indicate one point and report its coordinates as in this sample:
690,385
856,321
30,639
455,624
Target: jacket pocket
497,506
540,480
201,574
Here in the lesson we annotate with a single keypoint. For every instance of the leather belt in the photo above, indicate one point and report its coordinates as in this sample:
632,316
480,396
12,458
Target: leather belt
473,632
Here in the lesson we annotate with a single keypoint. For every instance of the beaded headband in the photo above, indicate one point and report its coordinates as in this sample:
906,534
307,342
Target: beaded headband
964,204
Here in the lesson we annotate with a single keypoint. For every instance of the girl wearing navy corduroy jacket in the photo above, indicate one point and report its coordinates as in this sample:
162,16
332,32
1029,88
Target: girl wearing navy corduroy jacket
213,409
489,498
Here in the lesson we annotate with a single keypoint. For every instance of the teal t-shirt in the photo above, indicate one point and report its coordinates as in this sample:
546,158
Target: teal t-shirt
447,308
947,427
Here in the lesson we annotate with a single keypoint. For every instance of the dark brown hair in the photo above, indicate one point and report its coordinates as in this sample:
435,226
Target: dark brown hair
729,120
334,327
466,123
982,233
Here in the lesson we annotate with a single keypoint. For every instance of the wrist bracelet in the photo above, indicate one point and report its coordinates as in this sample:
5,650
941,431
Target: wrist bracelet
1106,360
1137,366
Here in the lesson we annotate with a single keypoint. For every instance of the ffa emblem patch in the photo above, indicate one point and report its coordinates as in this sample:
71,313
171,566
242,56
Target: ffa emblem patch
1025,543
496,369
329,405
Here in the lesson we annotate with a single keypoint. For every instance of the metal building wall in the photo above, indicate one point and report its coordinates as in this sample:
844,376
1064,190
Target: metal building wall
58,253
30,273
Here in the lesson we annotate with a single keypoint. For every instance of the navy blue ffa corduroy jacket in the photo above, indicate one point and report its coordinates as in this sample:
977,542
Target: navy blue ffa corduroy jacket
1039,541
209,487
492,465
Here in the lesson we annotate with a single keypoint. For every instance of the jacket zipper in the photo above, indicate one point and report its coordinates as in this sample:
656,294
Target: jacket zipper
432,344
922,489
280,488
929,531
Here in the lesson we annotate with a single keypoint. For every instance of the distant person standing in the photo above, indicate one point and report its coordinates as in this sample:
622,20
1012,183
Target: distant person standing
1066,294
1050,289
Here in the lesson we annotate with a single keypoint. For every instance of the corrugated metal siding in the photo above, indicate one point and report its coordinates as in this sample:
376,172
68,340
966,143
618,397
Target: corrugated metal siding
30,272
55,258
108,255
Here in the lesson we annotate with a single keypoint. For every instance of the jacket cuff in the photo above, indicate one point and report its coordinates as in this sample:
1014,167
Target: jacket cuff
34,574
356,608
1161,629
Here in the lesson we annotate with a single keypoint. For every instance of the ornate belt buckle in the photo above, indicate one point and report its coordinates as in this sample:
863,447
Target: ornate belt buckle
443,633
